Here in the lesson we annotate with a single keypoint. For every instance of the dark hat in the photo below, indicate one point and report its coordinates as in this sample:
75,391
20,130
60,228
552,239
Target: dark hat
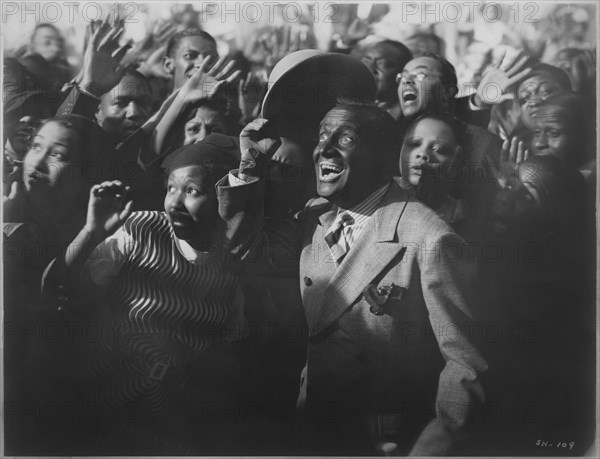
306,84
216,149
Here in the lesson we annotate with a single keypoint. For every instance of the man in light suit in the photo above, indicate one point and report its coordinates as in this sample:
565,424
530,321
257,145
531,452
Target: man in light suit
387,292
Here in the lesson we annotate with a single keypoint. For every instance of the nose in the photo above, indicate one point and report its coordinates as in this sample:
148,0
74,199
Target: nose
422,155
541,142
324,149
39,160
176,201
133,110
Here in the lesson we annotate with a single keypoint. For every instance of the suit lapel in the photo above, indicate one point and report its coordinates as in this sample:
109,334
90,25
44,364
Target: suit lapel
375,248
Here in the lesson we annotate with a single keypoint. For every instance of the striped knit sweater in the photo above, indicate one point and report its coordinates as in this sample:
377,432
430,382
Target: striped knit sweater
166,307
166,310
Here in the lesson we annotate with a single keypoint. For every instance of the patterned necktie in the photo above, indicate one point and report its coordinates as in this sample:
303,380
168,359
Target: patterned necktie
335,238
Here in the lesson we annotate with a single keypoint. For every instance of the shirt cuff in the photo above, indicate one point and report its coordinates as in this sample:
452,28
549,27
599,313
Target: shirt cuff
234,180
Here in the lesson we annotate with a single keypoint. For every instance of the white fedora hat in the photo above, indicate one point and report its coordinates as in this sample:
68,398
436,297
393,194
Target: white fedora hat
306,84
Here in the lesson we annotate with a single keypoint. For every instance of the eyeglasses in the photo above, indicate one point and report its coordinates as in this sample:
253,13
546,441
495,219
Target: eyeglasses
380,63
418,77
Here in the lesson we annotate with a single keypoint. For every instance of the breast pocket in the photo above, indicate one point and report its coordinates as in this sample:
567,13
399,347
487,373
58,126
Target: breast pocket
381,297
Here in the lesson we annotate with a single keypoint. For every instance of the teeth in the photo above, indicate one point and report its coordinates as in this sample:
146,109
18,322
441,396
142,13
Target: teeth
330,172
329,168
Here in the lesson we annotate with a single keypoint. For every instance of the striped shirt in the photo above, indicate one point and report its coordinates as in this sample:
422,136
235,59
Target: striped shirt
361,213
171,301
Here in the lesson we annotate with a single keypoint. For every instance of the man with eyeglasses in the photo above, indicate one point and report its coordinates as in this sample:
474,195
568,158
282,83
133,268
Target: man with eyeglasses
386,61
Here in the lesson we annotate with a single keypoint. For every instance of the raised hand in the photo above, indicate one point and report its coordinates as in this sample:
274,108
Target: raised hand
206,81
512,154
109,206
153,65
101,70
157,34
358,29
254,146
503,75
250,95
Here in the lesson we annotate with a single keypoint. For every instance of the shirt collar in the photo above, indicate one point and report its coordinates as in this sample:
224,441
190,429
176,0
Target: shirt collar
367,206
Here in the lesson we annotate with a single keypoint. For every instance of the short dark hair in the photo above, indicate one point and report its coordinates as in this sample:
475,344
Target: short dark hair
176,39
557,74
139,75
448,76
94,145
458,127
401,48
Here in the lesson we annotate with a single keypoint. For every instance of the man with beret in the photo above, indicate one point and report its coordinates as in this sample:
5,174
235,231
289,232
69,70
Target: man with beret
387,293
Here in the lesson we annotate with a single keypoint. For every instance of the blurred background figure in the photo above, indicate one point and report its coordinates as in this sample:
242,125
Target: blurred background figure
45,57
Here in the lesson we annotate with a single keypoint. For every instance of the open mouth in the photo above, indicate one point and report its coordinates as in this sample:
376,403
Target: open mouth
409,96
38,178
179,219
329,172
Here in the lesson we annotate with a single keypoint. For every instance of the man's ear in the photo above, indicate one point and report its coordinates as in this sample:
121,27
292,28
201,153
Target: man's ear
99,115
451,91
169,65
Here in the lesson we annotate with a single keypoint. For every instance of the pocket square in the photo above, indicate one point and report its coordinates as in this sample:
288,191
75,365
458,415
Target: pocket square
377,297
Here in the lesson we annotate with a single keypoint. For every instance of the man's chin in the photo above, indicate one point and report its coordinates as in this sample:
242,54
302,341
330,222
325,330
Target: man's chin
410,111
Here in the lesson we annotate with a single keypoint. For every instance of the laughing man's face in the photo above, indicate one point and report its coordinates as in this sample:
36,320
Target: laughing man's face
344,162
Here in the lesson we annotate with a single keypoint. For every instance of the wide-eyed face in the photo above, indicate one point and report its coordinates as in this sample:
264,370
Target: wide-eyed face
553,134
421,87
47,43
50,163
532,92
205,122
346,164
126,107
187,56
427,141
191,205
384,62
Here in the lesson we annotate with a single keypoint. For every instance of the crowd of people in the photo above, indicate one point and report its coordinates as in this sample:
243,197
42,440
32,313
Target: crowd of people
315,253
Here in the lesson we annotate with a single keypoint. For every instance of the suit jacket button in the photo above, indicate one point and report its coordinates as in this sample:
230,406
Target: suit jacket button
307,281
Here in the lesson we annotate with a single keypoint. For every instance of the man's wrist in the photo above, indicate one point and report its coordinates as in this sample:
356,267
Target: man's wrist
89,88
